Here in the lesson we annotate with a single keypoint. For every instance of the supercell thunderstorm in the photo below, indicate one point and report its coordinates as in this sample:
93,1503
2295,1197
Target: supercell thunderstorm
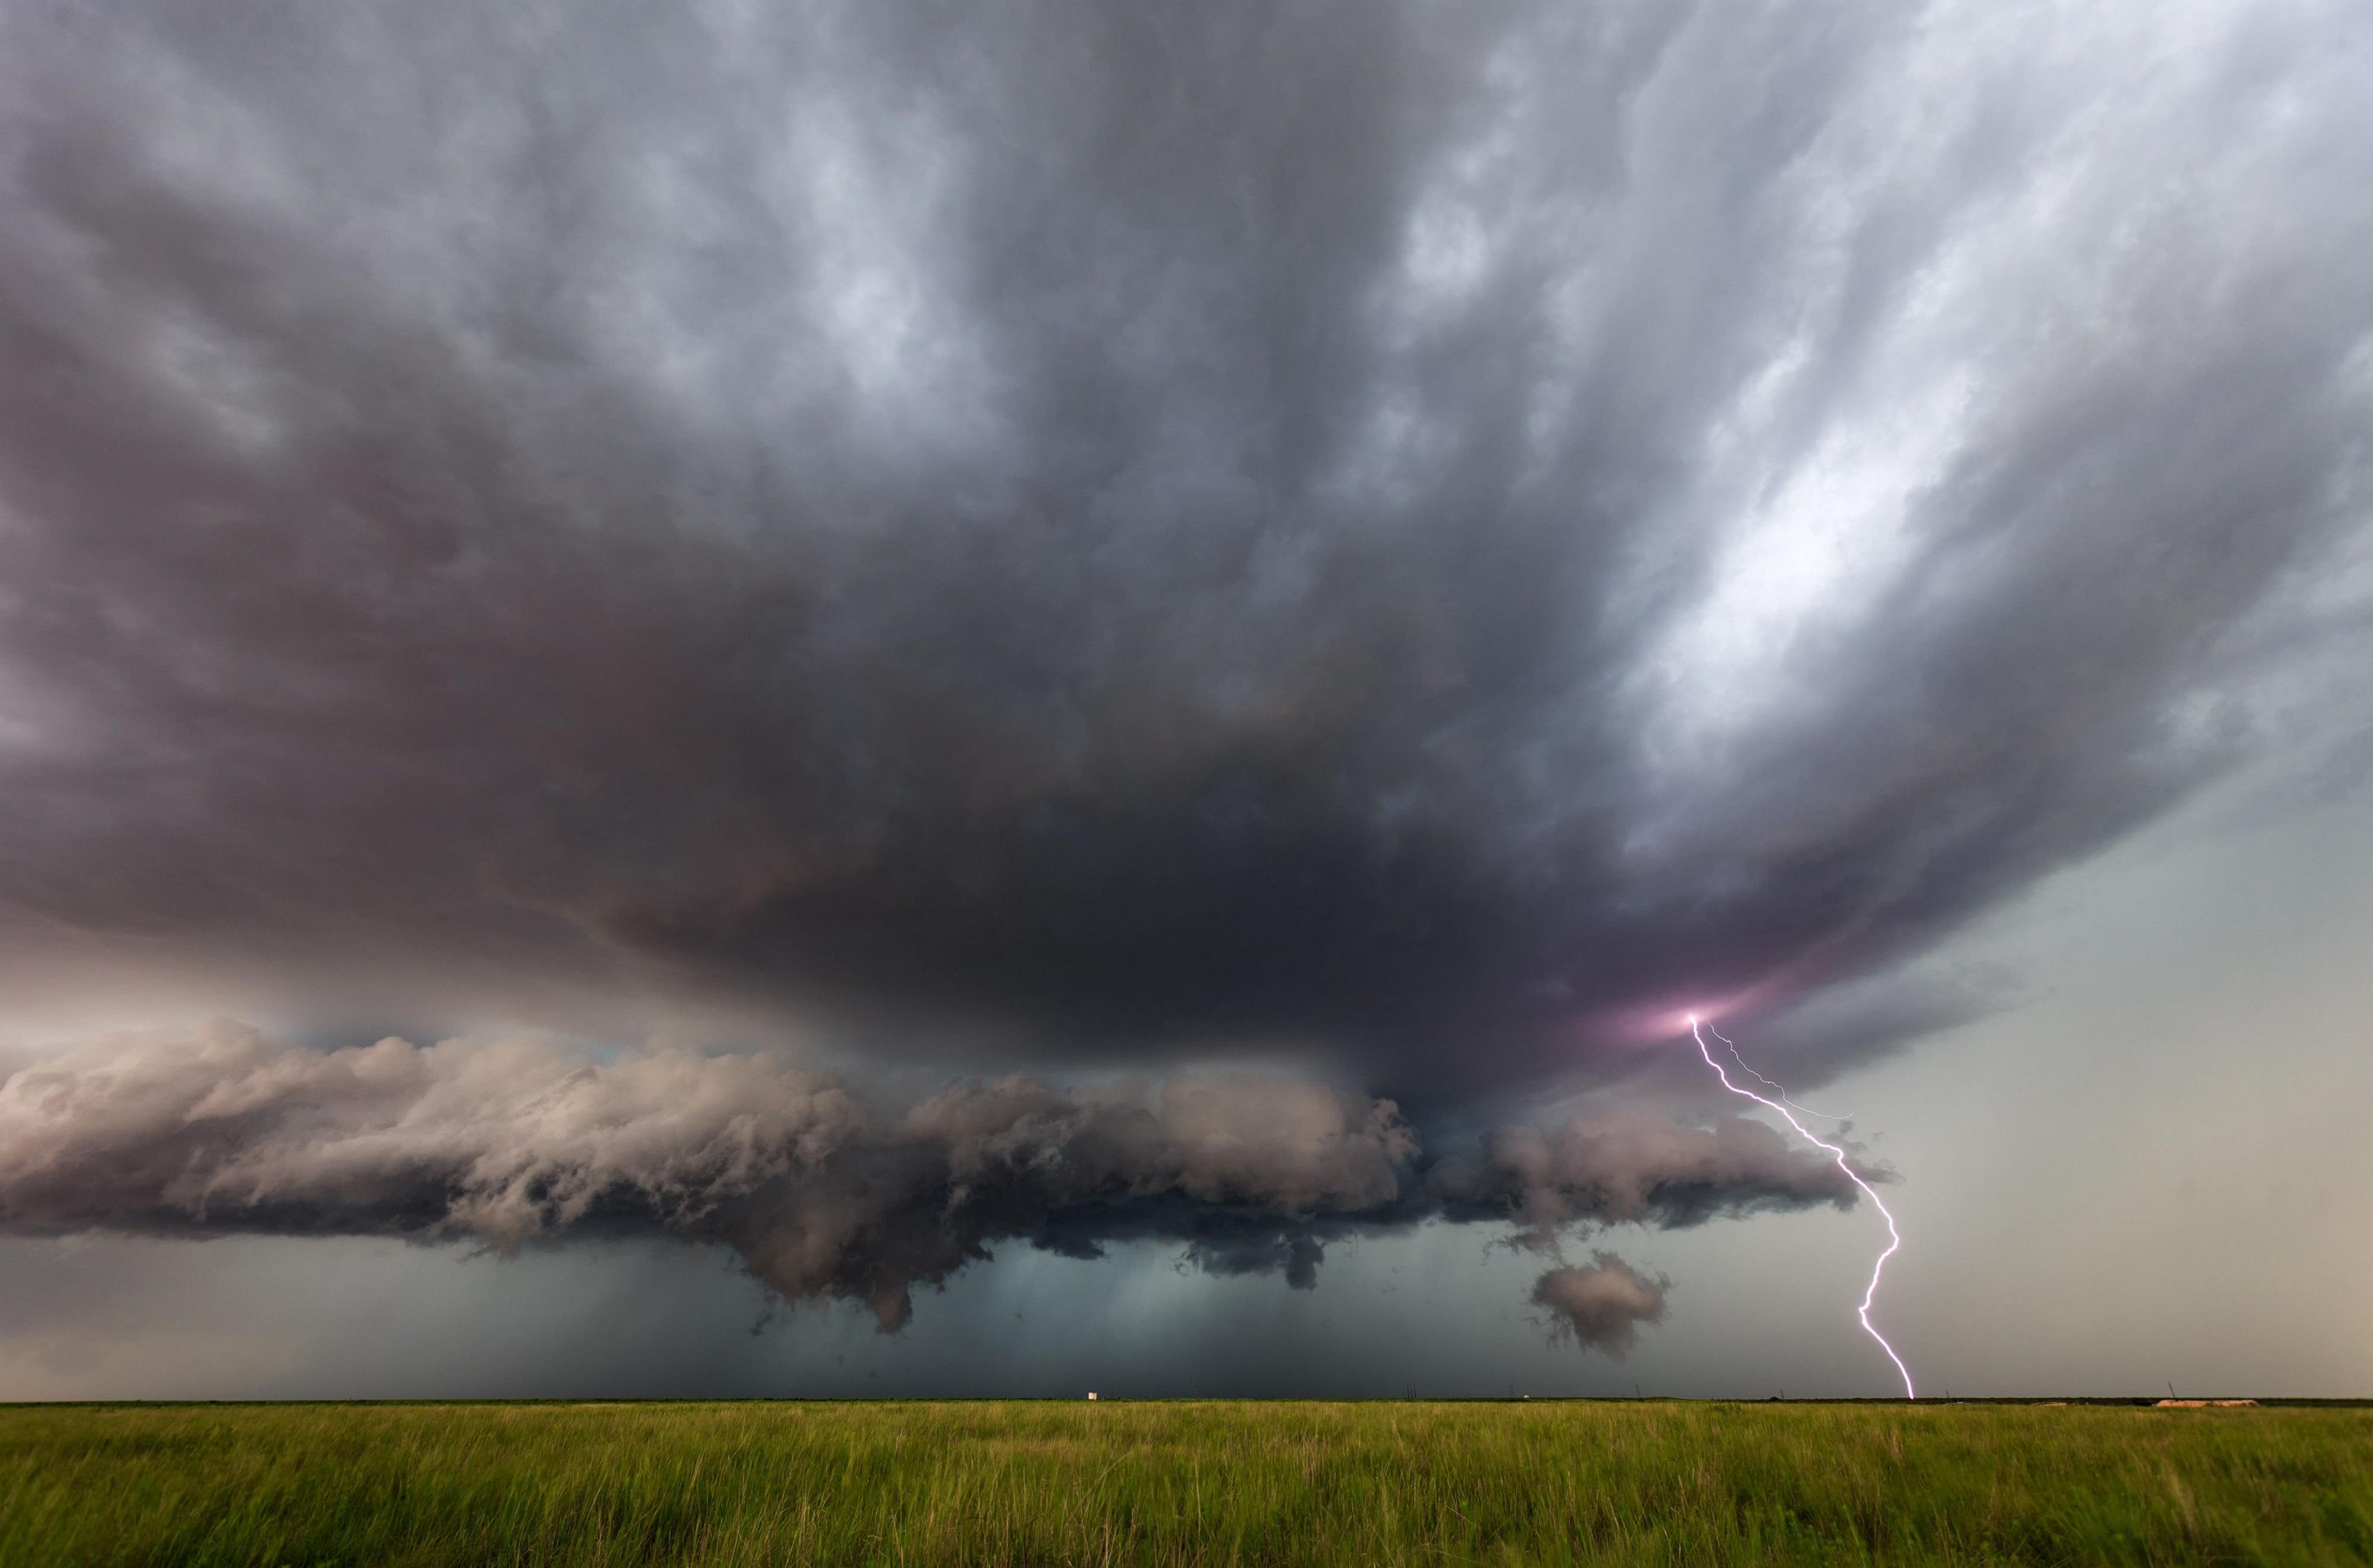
863,634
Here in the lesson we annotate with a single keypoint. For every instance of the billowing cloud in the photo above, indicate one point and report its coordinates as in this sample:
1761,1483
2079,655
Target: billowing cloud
822,1194
1601,1304
1635,1166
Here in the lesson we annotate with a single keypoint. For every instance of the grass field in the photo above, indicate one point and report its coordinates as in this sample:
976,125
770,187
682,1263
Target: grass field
1381,1483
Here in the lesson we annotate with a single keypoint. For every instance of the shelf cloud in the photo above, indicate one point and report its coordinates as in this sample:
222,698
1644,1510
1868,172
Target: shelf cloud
821,1194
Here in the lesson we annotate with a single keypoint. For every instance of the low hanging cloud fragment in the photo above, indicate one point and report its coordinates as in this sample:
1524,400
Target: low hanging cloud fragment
1601,1306
821,1193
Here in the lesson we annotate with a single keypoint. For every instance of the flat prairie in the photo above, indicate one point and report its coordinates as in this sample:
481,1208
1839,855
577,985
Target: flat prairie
1178,1482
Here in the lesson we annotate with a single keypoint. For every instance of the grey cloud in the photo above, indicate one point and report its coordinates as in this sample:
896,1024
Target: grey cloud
1415,530
1602,1304
1631,1166
821,1193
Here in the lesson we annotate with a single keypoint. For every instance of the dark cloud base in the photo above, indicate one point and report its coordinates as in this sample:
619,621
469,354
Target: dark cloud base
821,1194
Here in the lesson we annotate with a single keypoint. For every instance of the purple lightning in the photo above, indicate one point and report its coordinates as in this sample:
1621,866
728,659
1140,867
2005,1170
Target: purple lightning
1894,1238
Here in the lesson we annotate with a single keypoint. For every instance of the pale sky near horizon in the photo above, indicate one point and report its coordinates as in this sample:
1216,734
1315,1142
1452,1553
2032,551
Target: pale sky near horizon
892,699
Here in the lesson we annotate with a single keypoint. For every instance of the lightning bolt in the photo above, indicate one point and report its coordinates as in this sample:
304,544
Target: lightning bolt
1894,1237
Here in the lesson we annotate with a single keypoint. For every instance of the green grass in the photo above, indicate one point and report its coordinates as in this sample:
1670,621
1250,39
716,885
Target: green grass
1383,1483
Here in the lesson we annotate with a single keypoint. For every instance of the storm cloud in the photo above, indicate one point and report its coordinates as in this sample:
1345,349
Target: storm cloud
1390,525
1058,546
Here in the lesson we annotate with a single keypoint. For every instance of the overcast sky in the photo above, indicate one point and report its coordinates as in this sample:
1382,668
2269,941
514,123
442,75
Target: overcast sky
1009,697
